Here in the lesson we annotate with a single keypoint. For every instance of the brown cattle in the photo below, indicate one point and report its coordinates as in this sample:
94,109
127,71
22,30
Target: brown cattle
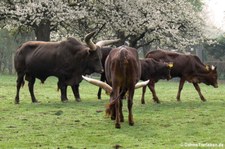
67,60
123,71
187,68
105,53
153,70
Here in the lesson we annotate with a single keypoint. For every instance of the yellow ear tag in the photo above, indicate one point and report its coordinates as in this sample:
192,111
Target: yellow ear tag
207,67
170,65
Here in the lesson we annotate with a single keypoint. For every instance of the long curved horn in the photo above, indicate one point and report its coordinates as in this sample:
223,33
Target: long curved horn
89,42
98,83
141,84
108,88
106,42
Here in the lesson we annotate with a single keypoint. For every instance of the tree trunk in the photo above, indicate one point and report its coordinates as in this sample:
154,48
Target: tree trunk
42,31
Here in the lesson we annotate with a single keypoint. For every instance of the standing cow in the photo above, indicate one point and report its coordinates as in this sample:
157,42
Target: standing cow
153,70
187,68
105,53
123,71
67,60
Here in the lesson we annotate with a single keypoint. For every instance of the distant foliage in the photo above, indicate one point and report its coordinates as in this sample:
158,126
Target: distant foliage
217,49
43,16
174,24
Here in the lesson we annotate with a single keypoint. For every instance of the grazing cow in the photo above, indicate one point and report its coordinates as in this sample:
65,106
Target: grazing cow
153,70
187,68
123,71
67,60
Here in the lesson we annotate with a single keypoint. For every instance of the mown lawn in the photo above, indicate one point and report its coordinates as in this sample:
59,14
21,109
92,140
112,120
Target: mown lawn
52,124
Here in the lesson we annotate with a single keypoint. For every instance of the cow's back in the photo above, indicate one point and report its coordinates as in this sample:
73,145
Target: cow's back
180,61
43,59
124,66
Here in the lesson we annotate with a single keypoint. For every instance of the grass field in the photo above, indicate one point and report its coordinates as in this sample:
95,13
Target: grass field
52,124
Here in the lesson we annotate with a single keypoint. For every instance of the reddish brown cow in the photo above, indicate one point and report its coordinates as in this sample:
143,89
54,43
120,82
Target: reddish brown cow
123,71
187,68
153,70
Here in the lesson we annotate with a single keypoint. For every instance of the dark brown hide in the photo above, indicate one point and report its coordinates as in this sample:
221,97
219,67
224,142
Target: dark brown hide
105,53
67,60
153,70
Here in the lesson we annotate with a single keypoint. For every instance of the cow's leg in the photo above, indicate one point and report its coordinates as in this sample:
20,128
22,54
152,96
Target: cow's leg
121,110
31,88
181,84
100,89
20,82
76,93
112,110
199,91
151,86
143,95
99,93
63,87
117,106
130,104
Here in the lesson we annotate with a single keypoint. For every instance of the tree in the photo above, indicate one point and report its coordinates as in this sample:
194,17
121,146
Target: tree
43,16
9,41
173,24
217,49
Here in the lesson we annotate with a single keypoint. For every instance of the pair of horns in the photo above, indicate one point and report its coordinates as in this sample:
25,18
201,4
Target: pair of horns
107,87
101,43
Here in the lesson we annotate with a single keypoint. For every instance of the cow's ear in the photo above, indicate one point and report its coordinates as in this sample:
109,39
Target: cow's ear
213,67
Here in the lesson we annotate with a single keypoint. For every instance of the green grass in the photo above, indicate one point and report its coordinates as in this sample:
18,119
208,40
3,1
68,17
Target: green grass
52,124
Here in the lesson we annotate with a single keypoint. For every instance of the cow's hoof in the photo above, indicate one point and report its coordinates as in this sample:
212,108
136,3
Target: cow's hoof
35,101
78,100
17,102
117,126
131,123
203,100
113,117
157,101
65,101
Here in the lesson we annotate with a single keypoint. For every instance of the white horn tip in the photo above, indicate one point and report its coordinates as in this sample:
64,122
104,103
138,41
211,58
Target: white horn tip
85,78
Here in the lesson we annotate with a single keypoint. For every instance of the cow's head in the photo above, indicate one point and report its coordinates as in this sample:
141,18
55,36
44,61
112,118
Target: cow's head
211,76
163,70
94,54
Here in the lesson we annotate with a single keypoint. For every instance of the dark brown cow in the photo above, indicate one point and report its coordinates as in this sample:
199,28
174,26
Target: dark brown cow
105,53
123,71
187,68
153,70
67,60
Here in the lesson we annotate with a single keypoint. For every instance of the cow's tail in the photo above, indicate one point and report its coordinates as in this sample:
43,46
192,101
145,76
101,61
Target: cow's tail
110,106
123,60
